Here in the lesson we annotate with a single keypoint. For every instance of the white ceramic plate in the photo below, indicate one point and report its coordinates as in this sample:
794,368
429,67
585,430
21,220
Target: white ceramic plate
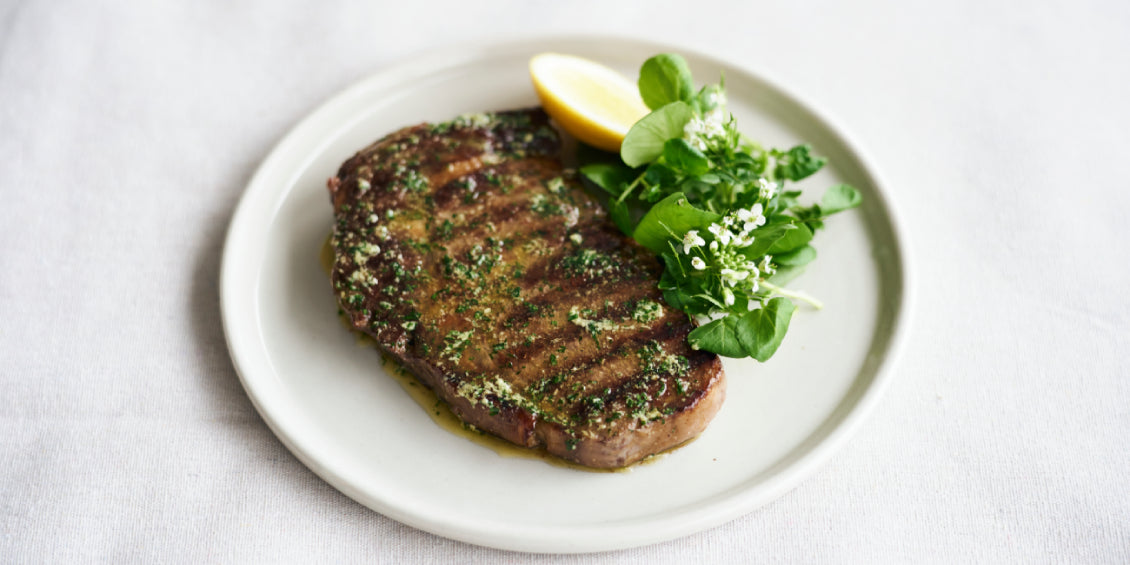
328,400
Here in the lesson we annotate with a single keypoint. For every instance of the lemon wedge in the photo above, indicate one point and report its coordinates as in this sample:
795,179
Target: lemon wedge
592,102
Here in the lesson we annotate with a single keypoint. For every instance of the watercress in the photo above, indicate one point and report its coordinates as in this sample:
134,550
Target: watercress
710,202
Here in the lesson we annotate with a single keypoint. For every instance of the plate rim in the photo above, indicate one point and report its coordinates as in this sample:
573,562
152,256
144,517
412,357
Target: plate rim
600,536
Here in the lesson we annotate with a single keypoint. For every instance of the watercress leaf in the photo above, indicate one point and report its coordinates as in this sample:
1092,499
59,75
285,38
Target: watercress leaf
710,178
805,212
785,275
797,257
621,216
741,304
644,142
675,264
700,305
746,199
696,190
659,175
719,336
678,298
791,239
683,156
839,198
760,332
809,215
765,237
668,220
797,163
652,193
708,302
665,78
612,177
669,279
681,290
790,198
744,160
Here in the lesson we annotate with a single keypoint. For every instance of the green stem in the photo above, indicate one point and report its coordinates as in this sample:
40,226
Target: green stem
793,294
630,188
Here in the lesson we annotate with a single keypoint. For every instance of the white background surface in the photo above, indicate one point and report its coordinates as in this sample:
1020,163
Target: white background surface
129,131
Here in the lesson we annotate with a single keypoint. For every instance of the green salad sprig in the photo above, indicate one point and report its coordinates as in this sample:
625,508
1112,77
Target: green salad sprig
715,208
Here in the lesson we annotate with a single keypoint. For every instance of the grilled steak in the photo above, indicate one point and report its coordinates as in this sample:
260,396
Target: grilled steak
471,256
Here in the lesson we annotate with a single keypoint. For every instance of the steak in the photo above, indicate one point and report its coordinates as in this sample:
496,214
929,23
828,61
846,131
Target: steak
471,256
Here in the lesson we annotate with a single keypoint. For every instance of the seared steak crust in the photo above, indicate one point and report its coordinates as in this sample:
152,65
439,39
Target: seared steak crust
470,255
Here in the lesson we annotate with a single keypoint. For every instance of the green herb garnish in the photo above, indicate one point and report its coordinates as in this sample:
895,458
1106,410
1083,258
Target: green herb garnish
711,203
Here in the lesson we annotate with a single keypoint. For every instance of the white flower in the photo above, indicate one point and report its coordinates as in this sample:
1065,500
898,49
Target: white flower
727,296
716,98
698,263
766,189
753,218
694,127
714,246
744,239
691,239
731,276
693,131
712,124
700,130
766,267
723,236
704,319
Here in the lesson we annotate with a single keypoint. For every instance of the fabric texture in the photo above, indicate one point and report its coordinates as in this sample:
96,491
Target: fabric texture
129,129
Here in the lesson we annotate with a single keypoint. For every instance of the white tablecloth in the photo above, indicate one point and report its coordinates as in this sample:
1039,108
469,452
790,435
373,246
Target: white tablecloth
128,131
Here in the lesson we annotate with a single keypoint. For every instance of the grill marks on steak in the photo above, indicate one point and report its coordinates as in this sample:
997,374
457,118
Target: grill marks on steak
469,254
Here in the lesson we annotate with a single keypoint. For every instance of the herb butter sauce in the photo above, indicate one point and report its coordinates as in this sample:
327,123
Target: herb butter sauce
439,412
